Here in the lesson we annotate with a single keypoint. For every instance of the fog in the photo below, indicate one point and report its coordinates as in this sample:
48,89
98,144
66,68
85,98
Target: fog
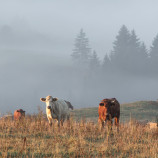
37,40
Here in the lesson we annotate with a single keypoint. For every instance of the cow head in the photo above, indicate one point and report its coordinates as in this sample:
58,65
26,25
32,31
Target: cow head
19,114
107,104
49,99
21,111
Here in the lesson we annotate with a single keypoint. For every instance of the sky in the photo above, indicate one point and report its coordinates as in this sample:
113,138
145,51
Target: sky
101,20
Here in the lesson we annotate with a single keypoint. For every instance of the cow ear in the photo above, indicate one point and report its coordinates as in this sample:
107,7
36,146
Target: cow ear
112,103
43,99
55,99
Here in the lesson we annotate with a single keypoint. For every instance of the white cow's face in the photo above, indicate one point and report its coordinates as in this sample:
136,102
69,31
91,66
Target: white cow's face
48,101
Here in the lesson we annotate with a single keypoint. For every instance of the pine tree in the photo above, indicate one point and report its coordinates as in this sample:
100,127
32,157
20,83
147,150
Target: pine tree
143,51
154,49
133,54
129,54
154,55
81,52
119,53
106,64
142,59
94,61
134,44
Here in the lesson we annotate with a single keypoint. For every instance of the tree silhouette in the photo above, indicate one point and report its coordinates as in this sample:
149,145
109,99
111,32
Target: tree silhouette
94,62
154,55
133,53
143,59
106,66
81,52
129,54
119,53
154,48
143,51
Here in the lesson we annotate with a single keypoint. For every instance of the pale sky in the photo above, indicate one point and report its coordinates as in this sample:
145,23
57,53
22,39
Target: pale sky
101,20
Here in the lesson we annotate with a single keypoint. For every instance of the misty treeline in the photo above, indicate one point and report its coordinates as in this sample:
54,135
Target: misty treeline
129,55
129,72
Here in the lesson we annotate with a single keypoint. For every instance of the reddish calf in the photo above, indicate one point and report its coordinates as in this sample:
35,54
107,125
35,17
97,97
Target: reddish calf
19,114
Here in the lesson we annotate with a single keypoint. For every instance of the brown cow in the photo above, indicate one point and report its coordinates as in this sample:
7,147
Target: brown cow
109,109
19,114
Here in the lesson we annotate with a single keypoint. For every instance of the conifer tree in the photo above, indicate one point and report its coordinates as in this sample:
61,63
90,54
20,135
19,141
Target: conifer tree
154,55
144,58
133,54
154,49
143,51
120,50
106,64
81,52
94,61
129,54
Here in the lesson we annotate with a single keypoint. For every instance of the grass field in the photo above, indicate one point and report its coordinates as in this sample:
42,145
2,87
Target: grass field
33,137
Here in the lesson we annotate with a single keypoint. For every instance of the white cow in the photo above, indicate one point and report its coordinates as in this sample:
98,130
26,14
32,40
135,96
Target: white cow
56,109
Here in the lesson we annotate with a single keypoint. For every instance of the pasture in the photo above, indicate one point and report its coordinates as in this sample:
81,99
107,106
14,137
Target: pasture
83,137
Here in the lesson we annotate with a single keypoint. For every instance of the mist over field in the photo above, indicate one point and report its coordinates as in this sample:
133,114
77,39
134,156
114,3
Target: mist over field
41,52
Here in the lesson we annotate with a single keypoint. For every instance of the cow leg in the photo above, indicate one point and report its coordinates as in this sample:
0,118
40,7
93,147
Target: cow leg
117,123
109,122
50,121
58,123
62,121
59,119
68,117
103,124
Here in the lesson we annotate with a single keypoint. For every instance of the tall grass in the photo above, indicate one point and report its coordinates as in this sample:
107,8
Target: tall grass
33,137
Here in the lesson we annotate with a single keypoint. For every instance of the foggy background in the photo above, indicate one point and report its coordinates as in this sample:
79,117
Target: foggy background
38,42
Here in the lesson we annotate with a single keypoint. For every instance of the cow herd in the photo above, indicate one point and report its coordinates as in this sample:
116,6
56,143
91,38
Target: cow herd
59,110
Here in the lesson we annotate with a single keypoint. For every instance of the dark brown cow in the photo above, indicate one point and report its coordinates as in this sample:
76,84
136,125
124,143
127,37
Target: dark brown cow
109,109
19,114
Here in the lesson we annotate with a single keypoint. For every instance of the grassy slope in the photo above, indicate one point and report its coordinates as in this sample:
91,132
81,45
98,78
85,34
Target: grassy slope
141,110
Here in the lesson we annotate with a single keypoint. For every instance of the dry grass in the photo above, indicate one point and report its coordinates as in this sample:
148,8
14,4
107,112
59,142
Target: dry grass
33,137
